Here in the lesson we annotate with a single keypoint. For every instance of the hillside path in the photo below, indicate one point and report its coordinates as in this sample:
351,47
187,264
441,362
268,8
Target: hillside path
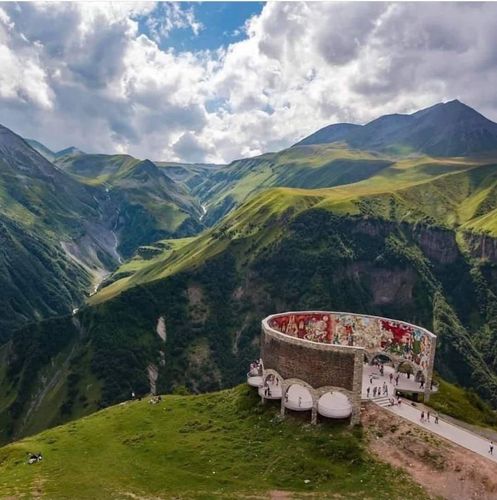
449,431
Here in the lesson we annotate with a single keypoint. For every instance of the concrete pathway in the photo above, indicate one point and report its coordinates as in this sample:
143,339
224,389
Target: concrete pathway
449,431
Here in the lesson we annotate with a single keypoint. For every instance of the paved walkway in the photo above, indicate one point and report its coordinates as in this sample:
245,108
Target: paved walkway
449,431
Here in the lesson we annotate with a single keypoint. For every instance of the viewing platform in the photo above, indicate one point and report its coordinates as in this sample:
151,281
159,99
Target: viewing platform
327,362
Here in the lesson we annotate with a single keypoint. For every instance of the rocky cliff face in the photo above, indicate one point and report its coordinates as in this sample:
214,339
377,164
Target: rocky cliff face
481,246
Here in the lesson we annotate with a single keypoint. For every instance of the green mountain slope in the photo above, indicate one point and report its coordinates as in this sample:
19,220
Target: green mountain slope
222,445
189,313
451,194
65,225
151,205
358,173
411,237
54,232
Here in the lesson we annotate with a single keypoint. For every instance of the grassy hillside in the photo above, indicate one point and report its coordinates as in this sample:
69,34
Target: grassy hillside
251,225
355,175
411,237
64,225
150,205
266,258
54,236
456,194
462,404
221,445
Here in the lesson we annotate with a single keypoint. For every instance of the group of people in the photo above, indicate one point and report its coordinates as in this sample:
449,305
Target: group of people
271,381
396,378
377,390
425,417
34,458
394,401
256,368
155,400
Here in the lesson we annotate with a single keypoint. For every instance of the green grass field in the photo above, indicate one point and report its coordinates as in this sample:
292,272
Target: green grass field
463,404
220,445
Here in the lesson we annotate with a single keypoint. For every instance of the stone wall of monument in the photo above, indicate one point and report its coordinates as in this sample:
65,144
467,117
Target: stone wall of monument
317,364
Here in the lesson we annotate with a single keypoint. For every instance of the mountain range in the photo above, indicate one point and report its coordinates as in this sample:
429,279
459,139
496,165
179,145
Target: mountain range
68,218
396,218
445,129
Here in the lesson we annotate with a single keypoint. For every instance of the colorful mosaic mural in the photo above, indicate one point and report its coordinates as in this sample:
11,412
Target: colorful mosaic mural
372,333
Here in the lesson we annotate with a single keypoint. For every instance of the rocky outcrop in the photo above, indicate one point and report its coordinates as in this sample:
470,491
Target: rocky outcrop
481,246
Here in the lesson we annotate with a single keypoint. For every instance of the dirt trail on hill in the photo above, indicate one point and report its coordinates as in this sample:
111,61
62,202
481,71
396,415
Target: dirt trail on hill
443,468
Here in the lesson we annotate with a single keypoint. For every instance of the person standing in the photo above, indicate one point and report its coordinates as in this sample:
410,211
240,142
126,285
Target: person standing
427,416
491,448
422,416
368,390
436,418
374,391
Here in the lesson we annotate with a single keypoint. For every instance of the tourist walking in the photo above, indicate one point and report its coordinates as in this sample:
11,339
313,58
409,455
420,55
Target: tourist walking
491,448
374,391
300,401
391,377
368,390
397,379
427,416
422,416
436,418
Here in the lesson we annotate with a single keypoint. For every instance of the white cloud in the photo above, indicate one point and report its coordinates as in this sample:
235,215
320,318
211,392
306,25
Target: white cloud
84,75
169,16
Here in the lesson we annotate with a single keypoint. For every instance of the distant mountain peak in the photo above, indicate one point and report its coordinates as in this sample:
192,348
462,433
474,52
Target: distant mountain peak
70,151
330,133
449,128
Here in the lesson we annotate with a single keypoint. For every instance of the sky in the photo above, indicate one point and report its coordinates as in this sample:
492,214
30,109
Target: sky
215,81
